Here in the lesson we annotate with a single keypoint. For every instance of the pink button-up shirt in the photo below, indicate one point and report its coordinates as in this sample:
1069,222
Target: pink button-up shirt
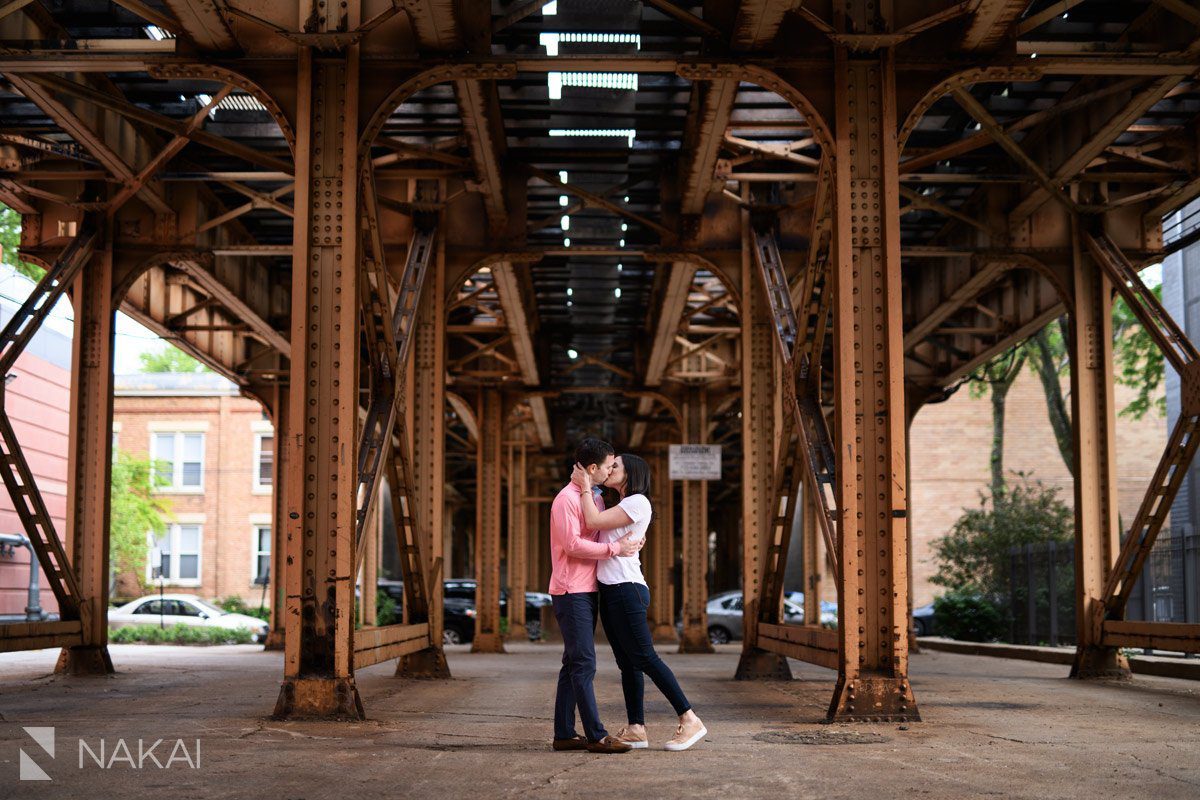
574,550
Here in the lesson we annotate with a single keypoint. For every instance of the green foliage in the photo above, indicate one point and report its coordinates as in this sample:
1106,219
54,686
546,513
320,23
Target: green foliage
386,611
180,634
136,511
10,244
1138,361
236,605
170,359
974,557
968,617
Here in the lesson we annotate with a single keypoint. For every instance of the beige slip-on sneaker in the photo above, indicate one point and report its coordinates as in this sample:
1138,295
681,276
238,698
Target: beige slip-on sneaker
683,739
634,740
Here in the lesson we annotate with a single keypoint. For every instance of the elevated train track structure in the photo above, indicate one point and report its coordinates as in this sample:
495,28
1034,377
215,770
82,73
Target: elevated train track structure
440,241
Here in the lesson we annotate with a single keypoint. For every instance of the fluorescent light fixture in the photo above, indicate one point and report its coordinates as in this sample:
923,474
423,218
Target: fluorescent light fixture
566,242
562,200
550,9
158,34
569,304
626,198
624,227
620,267
549,40
572,353
622,243
628,133
565,222
242,102
562,176
617,292
570,291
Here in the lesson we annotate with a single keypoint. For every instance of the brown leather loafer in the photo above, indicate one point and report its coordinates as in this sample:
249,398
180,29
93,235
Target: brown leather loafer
609,744
578,743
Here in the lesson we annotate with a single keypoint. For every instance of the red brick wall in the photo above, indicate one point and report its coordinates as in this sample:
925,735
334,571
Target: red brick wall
37,402
951,447
228,503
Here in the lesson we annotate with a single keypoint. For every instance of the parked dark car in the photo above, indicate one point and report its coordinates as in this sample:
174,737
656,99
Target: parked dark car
459,608
923,620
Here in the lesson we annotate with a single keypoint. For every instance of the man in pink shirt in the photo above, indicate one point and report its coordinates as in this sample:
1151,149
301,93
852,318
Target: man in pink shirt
574,552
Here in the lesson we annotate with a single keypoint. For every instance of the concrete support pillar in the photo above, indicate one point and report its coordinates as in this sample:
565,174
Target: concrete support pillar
488,509
695,534
1093,412
518,542
869,394
319,638
428,430
89,465
280,420
659,554
758,461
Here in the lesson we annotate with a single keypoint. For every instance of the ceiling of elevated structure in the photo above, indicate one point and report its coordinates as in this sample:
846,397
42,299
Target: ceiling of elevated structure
630,136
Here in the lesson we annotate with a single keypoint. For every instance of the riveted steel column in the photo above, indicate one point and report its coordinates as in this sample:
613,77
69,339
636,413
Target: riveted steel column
429,460
1092,410
662,557
695,534
869,399
488,508
758,460
518,542
814,569
280,404
319,637
89,461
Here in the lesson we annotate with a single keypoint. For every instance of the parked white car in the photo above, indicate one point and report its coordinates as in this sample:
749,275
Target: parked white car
187,609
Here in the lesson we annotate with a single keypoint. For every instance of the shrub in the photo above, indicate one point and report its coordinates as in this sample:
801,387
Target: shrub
236,605
968,616
180,634
386,612
974,556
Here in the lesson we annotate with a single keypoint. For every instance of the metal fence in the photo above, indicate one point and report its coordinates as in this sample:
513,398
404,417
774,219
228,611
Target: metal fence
1041,598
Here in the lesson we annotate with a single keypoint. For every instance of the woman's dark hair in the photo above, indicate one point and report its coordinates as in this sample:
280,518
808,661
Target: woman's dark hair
637,475
593,451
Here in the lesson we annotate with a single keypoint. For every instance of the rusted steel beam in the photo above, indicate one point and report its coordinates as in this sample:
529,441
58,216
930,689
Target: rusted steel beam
702,141
489,463
87,137
694,506
871,494
319,639
202,23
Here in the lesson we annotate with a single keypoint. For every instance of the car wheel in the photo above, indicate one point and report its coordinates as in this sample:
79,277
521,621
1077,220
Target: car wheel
451,636
718,635
920,627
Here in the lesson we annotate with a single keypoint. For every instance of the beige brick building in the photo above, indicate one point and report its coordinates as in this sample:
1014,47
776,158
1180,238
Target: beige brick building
950,449
218,448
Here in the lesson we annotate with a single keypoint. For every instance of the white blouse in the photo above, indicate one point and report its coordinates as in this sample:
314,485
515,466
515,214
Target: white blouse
626,569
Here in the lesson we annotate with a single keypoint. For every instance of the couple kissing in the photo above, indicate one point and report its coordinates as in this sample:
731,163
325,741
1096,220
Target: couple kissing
596,570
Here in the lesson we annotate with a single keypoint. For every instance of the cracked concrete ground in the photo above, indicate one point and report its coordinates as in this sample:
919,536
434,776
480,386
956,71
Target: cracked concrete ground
993,728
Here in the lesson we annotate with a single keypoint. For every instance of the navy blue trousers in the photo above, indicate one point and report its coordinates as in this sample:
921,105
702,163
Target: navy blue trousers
623,614
576,615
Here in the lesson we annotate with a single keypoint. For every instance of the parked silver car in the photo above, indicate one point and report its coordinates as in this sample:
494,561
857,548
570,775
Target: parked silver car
186,609
725,616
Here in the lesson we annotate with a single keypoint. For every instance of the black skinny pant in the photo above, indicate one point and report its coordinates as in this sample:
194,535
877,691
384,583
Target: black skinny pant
623,614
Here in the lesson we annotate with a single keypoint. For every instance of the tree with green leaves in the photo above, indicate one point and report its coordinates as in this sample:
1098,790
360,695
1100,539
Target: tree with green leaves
996,378
170,359
10,244
136,511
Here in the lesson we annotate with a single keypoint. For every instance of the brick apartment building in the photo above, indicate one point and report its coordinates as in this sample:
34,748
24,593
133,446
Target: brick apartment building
217,449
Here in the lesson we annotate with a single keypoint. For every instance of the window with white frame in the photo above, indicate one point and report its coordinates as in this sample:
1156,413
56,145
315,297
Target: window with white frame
264,460
178,548
180,456
261,567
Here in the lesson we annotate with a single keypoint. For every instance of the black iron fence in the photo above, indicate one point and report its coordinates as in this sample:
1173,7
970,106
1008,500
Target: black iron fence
1041,598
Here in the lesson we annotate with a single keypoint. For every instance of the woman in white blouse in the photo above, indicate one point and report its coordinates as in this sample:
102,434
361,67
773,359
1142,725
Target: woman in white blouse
624,599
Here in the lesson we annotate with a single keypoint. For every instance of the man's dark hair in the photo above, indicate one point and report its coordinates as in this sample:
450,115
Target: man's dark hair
593,451
637,475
